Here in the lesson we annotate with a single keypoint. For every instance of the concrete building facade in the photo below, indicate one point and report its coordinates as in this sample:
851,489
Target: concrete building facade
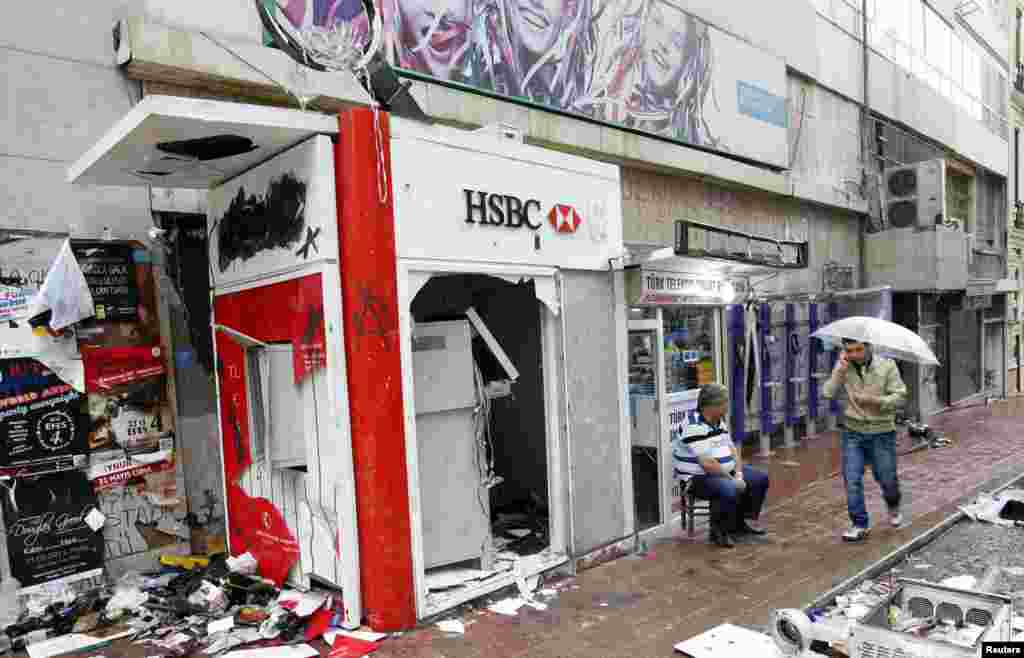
806,160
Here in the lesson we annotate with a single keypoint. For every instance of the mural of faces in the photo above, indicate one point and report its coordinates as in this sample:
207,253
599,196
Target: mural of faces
433,35
646,64
668,31
536,24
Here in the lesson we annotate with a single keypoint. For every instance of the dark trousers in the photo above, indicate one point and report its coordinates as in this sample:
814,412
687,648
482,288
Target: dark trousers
729,505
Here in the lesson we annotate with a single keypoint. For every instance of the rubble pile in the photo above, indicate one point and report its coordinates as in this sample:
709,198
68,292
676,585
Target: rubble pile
217,606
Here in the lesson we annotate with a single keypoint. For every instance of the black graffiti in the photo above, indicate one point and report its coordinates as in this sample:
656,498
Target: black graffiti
253,223
310,242
372,317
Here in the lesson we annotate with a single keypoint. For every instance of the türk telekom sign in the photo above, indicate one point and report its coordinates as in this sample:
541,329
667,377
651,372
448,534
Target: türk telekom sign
470,197
657,287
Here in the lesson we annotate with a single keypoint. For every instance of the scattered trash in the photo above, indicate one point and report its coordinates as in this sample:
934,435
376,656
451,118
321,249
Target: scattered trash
509,607
348,647
997,509
453,626
244,564
960,582
365,636
922,565
728,641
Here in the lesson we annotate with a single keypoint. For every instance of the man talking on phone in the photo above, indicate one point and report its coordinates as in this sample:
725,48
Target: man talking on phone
873,390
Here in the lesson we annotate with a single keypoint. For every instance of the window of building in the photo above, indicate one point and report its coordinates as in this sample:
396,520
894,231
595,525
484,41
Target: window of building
690,357
917,39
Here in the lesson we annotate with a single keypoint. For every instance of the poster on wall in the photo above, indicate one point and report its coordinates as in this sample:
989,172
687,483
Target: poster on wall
277,217
49,536
42,418
645,65
109,269
139,498
128,404
677,406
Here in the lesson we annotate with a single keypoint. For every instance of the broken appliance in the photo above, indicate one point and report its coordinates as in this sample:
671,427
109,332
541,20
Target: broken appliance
917,620
455,461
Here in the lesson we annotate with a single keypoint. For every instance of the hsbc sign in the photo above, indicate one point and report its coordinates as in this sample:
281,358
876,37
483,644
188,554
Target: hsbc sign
487,209
470,198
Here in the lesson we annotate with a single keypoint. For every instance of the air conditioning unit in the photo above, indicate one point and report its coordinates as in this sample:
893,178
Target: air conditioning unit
915,195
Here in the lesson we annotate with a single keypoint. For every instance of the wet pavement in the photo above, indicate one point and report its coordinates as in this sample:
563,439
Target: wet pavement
643,605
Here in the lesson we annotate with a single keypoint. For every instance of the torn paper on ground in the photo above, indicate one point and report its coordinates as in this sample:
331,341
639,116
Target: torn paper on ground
65,292
454,626
728,641
509,607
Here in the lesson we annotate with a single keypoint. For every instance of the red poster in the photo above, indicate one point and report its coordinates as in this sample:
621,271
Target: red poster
109,367
259,528
309,348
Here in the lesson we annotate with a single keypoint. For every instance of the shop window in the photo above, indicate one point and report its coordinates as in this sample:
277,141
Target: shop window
282,414
690,357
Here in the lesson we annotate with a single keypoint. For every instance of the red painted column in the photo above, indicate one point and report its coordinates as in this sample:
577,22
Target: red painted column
369,286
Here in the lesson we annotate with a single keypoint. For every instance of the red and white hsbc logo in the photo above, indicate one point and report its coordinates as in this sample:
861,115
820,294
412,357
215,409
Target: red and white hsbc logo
510,211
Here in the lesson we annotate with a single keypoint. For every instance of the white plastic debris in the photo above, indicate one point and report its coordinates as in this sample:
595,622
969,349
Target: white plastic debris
454,626
509,607
960,582
729,641
244,564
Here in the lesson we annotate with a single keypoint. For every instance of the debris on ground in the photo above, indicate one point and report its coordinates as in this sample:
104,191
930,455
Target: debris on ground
215,605
729,641
453,626
1004,509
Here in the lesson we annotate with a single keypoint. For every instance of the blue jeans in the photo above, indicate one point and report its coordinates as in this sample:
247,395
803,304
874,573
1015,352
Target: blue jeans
878,451
729,505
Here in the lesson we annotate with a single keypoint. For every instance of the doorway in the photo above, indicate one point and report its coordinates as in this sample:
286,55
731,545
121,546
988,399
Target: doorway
483,442
645,422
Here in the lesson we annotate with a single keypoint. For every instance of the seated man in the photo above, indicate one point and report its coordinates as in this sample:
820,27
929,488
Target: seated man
705,454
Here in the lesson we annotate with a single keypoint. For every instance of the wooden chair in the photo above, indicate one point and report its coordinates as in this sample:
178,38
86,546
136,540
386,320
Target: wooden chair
692,507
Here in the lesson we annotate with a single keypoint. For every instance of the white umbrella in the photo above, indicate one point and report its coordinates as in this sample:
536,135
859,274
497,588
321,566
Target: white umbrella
886,337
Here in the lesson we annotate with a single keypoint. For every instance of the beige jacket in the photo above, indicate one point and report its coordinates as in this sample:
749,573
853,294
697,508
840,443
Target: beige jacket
881,379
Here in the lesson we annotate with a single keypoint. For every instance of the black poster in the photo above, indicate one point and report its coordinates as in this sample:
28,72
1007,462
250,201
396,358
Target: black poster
48,537
109,269
41,417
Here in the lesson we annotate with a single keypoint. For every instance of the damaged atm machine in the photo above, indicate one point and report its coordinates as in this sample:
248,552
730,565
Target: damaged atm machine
417,334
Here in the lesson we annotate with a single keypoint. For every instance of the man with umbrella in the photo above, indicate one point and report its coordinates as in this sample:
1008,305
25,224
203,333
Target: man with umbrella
873,391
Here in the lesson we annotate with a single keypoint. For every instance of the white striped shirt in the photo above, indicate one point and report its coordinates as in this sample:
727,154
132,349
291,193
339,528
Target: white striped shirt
700,440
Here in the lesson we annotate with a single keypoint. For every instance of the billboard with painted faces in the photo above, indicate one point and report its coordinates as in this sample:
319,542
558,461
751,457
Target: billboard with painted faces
645,65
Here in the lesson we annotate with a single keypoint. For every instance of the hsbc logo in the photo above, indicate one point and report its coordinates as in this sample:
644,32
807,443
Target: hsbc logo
564,218
510,211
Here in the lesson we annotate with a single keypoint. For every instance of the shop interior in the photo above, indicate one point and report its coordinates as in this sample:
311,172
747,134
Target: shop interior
481,430
686,336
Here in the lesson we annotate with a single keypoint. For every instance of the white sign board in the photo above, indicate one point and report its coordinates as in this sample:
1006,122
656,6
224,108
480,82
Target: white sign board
471,197
276,218
676,288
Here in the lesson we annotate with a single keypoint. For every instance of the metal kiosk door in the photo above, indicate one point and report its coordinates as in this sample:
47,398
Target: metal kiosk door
645,375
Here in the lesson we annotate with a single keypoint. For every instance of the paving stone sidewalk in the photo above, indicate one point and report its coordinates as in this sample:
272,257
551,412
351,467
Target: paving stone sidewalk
644,606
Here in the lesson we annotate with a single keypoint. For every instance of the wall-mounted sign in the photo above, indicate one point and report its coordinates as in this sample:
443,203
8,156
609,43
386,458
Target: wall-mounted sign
654,287
488,199
275,218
